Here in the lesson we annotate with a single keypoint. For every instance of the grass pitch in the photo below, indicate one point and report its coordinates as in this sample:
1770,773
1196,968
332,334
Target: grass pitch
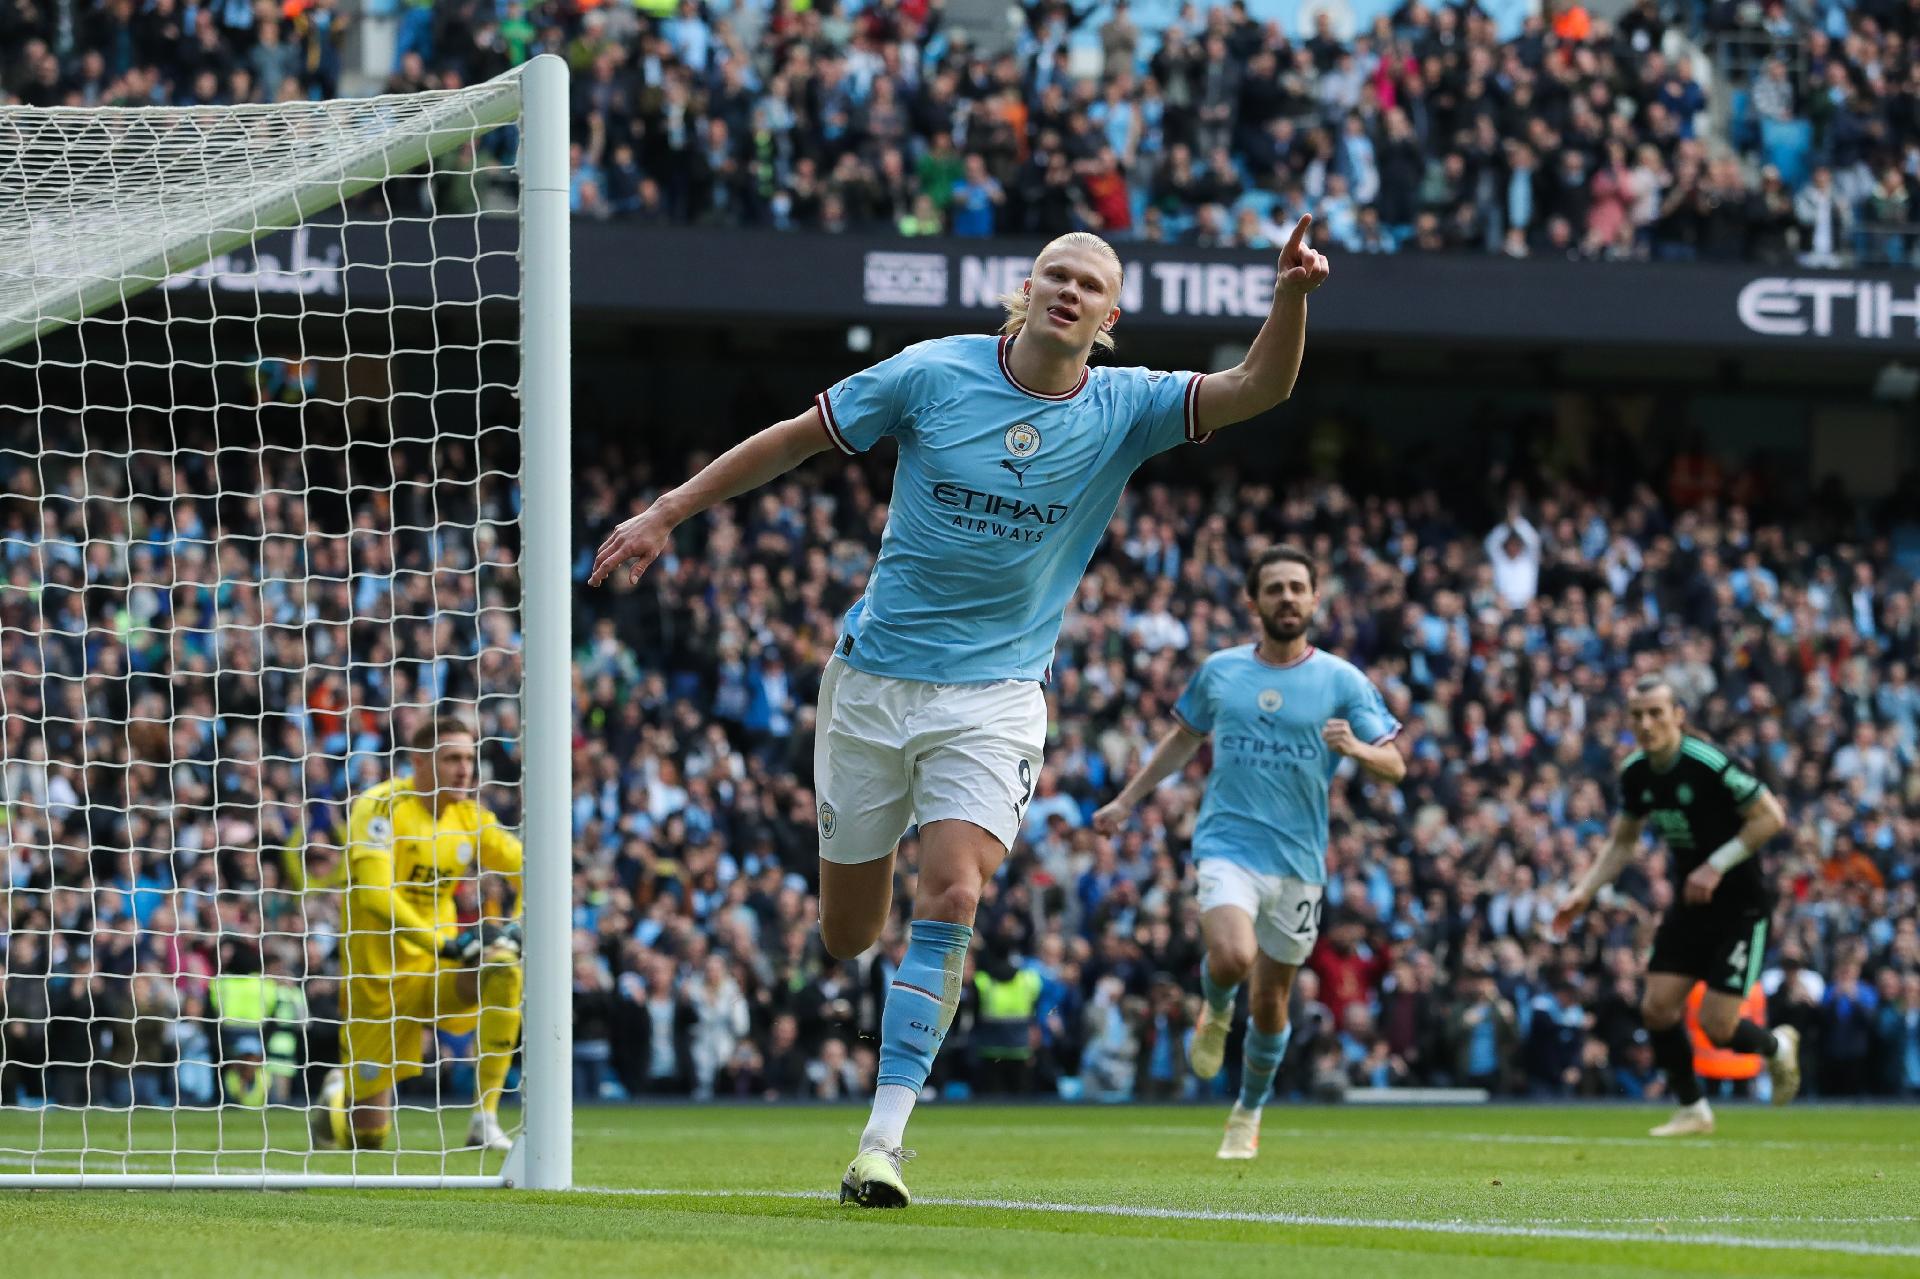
715,1192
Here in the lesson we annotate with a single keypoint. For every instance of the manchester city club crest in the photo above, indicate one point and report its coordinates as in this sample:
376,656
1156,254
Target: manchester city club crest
827,820
1023,439
1269,700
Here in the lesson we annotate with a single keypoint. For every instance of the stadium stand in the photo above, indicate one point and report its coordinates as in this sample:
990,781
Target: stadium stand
1503,642
1723,131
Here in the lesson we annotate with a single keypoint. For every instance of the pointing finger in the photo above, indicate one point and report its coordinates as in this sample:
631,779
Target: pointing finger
1299,235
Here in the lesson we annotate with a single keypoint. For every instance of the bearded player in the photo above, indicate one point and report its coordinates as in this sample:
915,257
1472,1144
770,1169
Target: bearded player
412,842
1282,715
1012,458
1715,817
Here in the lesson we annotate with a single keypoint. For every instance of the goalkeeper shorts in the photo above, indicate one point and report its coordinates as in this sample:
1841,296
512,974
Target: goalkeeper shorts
386,1019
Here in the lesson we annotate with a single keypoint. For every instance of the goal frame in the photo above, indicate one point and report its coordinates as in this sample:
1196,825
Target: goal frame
542,1156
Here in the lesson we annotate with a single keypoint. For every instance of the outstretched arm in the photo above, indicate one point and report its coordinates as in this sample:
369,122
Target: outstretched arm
1265,378
1620,849
746,466
1169,756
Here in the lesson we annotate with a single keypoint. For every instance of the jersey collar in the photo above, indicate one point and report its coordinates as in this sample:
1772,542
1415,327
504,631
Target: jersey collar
1006,370
1283,666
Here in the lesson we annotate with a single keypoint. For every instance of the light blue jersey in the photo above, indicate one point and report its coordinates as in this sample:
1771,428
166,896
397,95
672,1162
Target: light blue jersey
999,498
1266,802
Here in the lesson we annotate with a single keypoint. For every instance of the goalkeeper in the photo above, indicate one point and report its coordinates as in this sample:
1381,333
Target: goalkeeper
411,842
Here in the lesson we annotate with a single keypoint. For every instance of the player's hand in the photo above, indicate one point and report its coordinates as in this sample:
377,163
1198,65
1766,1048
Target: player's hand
1109,819
1338,735
1700,884
639,540
1302,269
462,949
1570,910
501,941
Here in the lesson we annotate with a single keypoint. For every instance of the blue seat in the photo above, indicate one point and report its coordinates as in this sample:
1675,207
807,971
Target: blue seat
1787,146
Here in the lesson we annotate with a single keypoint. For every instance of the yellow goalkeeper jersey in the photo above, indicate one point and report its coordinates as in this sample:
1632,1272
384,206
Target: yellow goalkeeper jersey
404,866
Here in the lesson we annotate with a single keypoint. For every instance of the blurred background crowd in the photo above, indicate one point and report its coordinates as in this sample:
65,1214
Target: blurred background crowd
1678,129
198,675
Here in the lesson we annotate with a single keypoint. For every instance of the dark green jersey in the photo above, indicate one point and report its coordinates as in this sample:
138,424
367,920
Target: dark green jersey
1696,804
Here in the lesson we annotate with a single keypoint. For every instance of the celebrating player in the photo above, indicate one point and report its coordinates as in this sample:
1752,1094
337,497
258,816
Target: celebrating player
1013,454
1282,714
411,842
1714,818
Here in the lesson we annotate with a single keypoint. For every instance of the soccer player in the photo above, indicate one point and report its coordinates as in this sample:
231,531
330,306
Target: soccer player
1282,714
1012,457
1714,818
412,842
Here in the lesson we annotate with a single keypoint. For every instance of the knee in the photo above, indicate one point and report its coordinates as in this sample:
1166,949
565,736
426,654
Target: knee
1228,963
1659,1016
954,903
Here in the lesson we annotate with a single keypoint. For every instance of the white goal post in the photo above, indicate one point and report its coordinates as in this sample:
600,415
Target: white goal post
285,437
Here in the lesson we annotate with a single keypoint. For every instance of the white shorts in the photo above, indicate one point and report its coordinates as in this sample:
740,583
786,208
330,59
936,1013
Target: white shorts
889,753
1285,911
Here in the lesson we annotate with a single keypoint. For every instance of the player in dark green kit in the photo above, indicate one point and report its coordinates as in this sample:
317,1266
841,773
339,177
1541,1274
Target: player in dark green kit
1714,818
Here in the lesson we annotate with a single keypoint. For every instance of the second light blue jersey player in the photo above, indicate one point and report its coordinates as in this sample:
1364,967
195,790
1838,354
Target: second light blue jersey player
1000,495
1266,800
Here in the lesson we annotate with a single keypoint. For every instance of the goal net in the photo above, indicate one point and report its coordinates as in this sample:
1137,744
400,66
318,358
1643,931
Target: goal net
283,610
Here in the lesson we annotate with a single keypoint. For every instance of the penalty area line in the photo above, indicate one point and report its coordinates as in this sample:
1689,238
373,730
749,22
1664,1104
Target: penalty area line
1853,1247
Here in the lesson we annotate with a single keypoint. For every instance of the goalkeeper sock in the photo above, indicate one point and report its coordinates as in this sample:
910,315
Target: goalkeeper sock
1673,1053
1219,998
372,1138
1751,1038
1264,1053
500,987
920,1008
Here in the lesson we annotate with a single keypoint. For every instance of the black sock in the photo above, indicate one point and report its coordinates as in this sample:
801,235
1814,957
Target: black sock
1673,1052
1749,1038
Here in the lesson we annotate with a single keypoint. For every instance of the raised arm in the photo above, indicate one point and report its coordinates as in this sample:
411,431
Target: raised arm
1170,755
1266,377
746,466
1620,849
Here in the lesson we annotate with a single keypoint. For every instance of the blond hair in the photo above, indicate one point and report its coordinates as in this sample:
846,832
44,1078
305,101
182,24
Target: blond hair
1015,302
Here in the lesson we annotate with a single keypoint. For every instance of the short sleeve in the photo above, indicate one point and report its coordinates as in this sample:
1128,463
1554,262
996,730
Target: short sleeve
370,839
861,409
1740,784
1632,801
1367,713
1166,411
1195,707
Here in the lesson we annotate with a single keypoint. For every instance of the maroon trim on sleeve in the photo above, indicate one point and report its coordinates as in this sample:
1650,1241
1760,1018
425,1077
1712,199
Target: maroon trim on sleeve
833,427
1194,433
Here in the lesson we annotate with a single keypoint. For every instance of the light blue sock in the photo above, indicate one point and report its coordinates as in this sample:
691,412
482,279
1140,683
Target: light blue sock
1264,1054
1219,998
920,1005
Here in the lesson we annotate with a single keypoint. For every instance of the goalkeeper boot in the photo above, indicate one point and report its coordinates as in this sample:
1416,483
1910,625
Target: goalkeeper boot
1784,1066
1688,1121
1209,1048
873,1179
326,1116
1242,1139
485,1132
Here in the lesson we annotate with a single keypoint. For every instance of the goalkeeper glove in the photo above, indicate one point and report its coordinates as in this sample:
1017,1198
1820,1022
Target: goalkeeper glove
463,948
495,941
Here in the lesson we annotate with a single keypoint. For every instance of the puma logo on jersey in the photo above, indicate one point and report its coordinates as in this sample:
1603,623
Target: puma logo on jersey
1019,469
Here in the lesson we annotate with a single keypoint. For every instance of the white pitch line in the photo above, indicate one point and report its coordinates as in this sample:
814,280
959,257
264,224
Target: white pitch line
1533,1139
1478,1228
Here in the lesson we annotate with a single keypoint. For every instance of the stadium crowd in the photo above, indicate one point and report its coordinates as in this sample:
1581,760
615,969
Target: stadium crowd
199,669
1507,128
